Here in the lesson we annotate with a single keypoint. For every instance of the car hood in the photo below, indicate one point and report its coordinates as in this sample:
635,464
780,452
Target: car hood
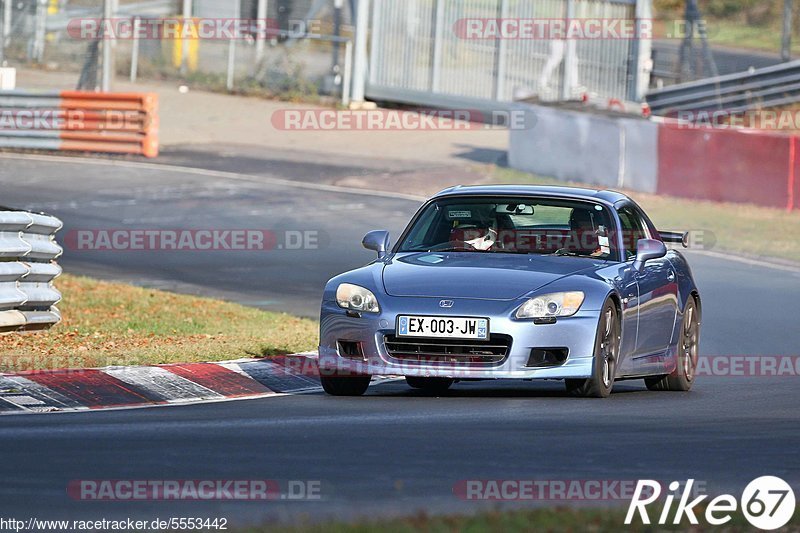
477,275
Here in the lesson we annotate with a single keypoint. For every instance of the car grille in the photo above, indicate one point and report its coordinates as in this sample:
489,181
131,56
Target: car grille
425,351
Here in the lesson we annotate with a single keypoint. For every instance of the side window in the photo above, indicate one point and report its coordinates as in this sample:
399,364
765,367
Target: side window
632,230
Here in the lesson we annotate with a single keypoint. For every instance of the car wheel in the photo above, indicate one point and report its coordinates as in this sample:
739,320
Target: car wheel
606,355
354,385
434,385
683,376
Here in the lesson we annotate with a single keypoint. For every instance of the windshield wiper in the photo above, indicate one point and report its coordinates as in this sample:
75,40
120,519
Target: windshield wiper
563,253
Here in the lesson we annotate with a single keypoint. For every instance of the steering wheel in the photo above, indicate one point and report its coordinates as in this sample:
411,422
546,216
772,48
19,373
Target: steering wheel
453,246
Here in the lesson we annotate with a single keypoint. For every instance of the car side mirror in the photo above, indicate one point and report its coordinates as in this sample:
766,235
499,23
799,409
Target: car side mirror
646,250
378,241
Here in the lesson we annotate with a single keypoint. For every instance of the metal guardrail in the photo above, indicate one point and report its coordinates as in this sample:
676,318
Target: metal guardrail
125,123
28,253
767,87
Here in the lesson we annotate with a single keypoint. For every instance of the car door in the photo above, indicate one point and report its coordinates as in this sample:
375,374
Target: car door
627,284
658,296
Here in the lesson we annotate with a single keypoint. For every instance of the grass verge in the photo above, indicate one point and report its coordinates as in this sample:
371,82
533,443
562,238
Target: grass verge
751,230
765,38
109,324
522,521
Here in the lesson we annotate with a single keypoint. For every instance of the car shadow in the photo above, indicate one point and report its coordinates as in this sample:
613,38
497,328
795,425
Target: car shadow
500,389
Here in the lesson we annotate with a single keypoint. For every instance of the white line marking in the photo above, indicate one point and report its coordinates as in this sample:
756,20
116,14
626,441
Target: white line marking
746,260
216,174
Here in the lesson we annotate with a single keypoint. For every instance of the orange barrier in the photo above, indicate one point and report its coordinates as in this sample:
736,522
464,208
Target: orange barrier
124,123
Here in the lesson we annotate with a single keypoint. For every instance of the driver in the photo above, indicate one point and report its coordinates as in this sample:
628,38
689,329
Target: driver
584,233
484,238
480,233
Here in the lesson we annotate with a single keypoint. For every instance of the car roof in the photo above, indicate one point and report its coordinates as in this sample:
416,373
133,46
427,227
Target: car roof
576,193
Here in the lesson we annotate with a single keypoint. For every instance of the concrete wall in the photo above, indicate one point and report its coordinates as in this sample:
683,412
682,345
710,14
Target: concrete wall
665,157
575,146
728,166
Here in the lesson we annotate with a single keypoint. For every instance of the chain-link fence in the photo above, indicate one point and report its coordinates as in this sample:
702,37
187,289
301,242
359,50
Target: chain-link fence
304,50
696,39
294,48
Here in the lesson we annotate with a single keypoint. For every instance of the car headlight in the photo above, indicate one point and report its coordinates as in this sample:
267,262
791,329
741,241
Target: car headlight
356,298
552,305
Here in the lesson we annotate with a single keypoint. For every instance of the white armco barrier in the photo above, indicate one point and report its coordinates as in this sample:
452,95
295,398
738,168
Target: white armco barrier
28,253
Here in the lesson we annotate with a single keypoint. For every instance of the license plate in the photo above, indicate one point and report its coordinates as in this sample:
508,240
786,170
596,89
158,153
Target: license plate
443,327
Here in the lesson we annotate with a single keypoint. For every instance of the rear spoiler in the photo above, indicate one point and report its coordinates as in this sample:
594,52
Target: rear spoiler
675,237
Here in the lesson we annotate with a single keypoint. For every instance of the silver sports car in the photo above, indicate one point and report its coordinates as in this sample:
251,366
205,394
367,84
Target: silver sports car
521,282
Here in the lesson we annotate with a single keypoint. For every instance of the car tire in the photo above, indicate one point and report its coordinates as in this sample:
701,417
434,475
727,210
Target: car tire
606,355
433,385
682,379
354,385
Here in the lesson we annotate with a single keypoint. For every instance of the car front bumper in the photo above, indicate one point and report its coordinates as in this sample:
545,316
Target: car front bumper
575,334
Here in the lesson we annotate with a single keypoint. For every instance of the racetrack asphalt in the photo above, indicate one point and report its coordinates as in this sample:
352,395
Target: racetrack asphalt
394,451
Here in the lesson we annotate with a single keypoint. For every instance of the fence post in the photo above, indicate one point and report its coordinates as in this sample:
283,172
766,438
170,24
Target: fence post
640,51
137,22
5,36
500,61
360,62
231,64
786,42
792,177
570,60
261,36
375,50
438,35
39,31
108,47
187,16
348,72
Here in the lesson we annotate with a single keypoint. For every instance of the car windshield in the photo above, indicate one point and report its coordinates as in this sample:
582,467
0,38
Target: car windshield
511,225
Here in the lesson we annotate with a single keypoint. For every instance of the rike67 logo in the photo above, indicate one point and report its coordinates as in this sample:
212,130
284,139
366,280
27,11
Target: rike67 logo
767,502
